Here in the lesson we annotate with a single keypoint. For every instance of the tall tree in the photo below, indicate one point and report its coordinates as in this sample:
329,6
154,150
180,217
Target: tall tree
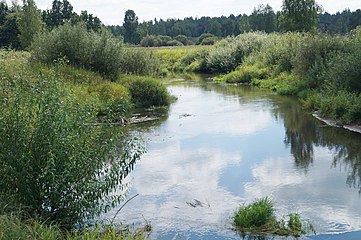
60,13
9,32
29,23
130,27
263,18
299,15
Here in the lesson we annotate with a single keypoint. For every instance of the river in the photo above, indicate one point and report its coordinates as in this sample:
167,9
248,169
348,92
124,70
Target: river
221,146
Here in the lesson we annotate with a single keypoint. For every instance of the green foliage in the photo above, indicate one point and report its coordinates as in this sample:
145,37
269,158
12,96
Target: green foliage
230,52
245,74
259,218
183,39
299,15
29,23
130,27
100,52
342,106
114,100
138,61
343,71
60,13
147,92
205,36
9,31
263,18
151,41
174,43
55,160
12,227
255,215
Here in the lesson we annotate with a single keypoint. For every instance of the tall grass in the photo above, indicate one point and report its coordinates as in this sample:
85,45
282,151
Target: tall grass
258,218
13,227
55,161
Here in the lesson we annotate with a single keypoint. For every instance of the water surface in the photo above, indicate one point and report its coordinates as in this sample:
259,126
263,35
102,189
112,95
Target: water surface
222,146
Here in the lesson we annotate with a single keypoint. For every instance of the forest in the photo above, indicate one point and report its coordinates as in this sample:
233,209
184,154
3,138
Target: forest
175,32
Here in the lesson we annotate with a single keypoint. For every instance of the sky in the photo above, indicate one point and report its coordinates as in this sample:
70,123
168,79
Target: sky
111,12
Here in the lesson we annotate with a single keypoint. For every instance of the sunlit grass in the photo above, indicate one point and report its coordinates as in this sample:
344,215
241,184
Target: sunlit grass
258,218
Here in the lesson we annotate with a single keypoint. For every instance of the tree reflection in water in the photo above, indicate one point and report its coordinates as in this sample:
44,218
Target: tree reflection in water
303,133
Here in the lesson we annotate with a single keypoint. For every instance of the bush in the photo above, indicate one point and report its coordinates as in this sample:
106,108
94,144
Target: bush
204,36
55,160
147,92
174,43
114,100
100,52
342,106
245,74
183,39
230,52
151,41
139,62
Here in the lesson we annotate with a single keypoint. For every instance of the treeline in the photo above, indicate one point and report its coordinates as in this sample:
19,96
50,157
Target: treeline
263,18
19,23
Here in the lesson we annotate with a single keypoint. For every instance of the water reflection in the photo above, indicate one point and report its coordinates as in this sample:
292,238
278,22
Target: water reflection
223,145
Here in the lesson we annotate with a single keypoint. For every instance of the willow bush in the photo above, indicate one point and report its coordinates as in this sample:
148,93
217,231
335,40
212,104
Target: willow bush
55,161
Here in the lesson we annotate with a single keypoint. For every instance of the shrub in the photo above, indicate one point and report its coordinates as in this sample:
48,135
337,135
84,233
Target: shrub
100,52
139,61
174,43
151,41
183,39
245,74
114,100
54,159
340,105
147,92
204,36
230,52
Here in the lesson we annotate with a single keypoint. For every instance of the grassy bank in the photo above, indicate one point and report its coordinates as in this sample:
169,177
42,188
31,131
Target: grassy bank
322,70
62,163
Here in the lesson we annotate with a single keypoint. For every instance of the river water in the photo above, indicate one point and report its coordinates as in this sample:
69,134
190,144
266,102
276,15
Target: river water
221,146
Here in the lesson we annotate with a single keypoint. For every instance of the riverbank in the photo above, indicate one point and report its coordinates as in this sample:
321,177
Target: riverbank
332,123
321,70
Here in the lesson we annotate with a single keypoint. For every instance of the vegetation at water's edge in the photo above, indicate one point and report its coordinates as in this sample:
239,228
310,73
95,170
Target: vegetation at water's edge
322,70
14,227
59,163
258,218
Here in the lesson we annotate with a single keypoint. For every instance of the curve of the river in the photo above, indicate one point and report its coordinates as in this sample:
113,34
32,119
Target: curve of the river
221,146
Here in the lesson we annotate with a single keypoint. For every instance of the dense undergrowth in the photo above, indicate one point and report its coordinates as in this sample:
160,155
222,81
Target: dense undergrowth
61,162
323,70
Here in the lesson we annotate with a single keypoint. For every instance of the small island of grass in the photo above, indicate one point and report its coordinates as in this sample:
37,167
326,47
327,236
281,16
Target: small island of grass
258,218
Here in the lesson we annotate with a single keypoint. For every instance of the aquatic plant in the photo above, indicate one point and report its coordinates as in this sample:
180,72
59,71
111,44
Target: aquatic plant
258,218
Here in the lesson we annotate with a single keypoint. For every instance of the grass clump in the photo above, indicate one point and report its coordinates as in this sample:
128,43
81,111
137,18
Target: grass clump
146,91
257,215
258,218
12,227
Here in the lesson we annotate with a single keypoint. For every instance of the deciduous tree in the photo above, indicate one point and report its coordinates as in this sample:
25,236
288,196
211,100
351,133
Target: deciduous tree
299,15
130,27
29,23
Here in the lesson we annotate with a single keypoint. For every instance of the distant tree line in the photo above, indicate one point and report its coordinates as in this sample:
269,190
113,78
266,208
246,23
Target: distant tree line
19,23
296,15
